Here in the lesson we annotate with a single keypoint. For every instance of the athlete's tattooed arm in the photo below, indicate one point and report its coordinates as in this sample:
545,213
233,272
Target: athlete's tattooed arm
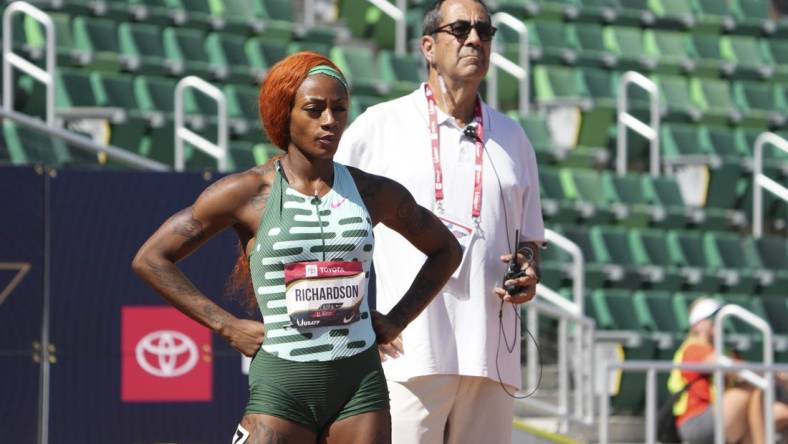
225,203
395,207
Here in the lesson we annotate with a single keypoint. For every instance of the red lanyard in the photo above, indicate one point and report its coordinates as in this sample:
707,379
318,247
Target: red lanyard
476,210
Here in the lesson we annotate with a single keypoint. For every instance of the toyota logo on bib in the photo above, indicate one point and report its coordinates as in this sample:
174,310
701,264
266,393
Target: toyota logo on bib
165,356
166,353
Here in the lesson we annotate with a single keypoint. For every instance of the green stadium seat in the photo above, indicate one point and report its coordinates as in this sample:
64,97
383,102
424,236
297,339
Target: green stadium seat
605,11
591,48
659,305
763,104
143,42
204,14
67,52
714,15
675,97
749,55
671,49
651,248
587,186
614,242
187,46
162,12
752,17
675,14
638,193
624,315
240,155
713,97
359,103
535,127
636,12
263,54
403,72
279,23
689,253
627,44
555,205
726,252
25,146
778,52
242,16
598,269
157,94
726,143
554,40
358,64
554,265
242,102
230,50
679,140
559,84
706,48
159,145
776,310
772,254
99,38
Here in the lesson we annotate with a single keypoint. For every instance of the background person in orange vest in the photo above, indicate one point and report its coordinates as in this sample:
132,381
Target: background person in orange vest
742,404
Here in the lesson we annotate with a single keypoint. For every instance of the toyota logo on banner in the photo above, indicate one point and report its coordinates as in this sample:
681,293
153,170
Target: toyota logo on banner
166,356
162,353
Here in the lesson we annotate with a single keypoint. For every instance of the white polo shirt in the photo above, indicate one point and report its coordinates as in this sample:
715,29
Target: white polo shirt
458,333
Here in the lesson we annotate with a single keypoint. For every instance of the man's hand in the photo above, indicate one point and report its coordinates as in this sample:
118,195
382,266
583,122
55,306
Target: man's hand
244,335
527,281
388,336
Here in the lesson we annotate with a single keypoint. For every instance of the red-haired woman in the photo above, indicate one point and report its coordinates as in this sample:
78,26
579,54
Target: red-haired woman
305,223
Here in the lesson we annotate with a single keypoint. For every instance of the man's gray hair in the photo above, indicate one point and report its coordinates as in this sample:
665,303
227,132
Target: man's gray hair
432,19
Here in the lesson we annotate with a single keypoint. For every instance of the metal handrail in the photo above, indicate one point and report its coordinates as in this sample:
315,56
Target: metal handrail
628,121
719,382
586,327
398,14
520,70
10,58
760,180
84,143
217,150
576,307
651,367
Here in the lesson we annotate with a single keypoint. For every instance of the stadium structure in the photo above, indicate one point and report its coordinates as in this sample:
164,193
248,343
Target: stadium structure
658,126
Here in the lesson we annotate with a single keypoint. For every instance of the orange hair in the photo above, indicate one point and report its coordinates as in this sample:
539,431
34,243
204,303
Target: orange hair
277,93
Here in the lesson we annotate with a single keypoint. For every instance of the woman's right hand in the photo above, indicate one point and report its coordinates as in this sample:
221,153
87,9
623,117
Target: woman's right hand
388,336
244,335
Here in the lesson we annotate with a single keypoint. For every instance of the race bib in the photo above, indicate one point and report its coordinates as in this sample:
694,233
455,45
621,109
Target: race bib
322,294
464,235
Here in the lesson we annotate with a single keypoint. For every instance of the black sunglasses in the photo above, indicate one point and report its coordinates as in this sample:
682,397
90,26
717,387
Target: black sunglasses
462,28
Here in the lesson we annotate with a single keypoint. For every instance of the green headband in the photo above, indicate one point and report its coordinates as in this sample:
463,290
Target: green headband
329,71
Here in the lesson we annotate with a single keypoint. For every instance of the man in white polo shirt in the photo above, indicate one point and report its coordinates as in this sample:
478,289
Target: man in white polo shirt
477,170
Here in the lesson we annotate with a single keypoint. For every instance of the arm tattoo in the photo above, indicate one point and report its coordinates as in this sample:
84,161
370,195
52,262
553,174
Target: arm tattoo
168,279
185,225
180,292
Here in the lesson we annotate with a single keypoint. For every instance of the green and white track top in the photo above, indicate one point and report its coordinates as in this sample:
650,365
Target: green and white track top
290,231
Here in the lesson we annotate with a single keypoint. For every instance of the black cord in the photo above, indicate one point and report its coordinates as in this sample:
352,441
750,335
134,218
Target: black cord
501,330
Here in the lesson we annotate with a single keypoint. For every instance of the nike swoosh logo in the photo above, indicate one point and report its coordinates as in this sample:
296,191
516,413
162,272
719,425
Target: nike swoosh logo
346,319
335,205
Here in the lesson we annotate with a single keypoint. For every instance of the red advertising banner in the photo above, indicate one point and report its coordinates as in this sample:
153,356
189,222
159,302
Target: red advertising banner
166,356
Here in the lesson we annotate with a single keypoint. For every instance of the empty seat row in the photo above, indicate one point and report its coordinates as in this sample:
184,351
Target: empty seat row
735,16
673,260
624,48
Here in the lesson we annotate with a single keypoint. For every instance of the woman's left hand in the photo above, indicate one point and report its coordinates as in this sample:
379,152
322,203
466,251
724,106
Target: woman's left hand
386,330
